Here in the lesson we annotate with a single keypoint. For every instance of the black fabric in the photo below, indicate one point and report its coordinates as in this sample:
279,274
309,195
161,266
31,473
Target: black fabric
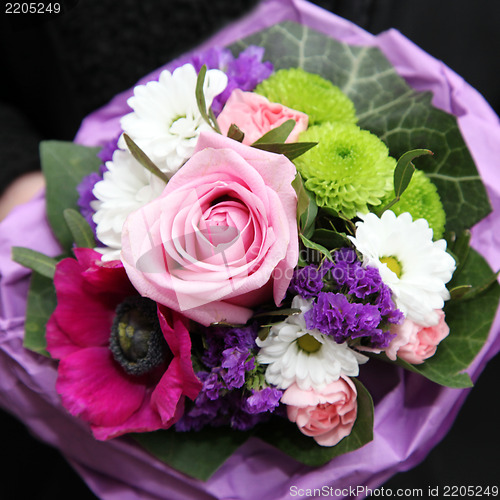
19,141
57,69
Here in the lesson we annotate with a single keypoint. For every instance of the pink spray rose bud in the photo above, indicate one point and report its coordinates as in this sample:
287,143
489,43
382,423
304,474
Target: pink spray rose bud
221,238
327,415
414,343
255,116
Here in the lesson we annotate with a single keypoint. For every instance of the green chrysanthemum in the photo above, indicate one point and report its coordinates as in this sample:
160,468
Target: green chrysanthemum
421,200
349,169
310,93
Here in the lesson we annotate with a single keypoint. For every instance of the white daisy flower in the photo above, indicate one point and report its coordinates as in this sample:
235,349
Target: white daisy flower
126,187
166,121
308,358
415,267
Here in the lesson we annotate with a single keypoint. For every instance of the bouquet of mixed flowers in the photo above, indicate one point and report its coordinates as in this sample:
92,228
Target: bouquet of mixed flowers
272,226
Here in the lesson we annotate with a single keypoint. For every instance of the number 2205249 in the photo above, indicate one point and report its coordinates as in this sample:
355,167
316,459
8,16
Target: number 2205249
32,8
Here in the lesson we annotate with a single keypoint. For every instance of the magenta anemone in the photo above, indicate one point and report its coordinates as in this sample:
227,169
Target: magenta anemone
111,374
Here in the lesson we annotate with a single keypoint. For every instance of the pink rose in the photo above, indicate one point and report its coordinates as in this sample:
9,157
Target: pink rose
221,238
414,343
255,116
327,415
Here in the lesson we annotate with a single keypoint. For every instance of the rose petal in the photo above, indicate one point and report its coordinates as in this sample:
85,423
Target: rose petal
169,258
255,116
327,415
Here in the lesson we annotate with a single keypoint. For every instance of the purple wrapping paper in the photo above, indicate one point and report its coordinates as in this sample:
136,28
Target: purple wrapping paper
119,469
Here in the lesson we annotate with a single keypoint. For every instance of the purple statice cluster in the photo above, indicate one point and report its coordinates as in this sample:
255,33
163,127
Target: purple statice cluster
232,392
244,72
86,186
351,300
308,281
333,314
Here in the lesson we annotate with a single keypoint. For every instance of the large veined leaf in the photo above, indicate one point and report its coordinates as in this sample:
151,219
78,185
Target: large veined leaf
388,107
469,320
197,454
64,165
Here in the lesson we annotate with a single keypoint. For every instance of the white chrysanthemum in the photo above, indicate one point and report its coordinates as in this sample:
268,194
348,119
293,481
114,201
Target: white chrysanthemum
410,263
126,187
308,358
166,121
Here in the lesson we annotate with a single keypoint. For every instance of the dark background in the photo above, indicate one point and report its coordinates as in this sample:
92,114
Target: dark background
57,69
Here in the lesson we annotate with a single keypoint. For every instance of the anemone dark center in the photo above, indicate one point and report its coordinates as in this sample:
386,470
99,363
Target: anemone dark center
136,340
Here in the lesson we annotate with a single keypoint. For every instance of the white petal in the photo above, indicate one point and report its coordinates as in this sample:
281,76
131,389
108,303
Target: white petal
288,363
126,187
426,266
166,122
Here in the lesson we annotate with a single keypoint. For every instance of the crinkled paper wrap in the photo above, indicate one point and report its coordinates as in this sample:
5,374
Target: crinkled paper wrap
122,470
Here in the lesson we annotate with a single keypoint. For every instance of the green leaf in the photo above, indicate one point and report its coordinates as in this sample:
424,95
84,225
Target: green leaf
291,150
405,168
278,312
330,218
285,436
385,104
330,239
80,229
213,120
235,133
447,379
263,332
459,246
39,262
200,95
200,100
144,159
41,304
197,454
402,175
303,197
315,246
306,207
459,291
469,323
473,292
277,135
64,165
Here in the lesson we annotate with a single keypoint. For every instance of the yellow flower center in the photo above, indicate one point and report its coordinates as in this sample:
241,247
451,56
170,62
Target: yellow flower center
308,343
393,264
